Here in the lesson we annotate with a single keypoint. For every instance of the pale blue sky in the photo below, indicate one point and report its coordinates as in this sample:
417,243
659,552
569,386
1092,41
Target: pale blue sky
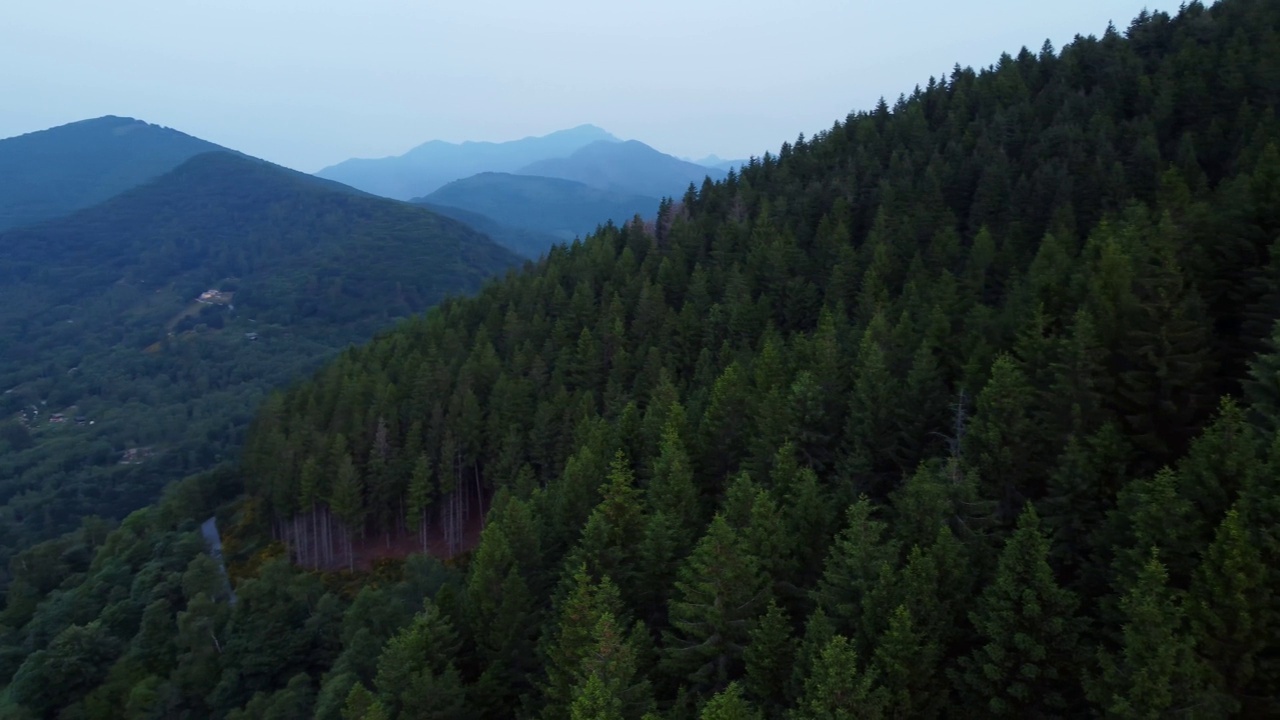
307,83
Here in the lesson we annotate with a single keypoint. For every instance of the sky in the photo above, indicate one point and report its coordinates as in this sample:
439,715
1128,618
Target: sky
308,83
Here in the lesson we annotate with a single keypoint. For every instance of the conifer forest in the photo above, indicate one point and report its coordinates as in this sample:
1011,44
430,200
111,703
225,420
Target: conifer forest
966,406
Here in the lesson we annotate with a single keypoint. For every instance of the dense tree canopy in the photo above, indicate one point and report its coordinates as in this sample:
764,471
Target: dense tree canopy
962,407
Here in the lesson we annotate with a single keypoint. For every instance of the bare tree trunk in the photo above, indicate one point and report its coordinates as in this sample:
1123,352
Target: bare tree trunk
479,494
315,539
351,558
328,537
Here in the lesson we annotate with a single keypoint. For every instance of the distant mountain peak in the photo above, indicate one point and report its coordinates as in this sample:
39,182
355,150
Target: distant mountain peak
429,166
57,171
626,166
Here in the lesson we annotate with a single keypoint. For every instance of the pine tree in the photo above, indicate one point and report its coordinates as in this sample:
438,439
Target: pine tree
854,567
566,646
1149,513
1155,671
503,619
608,681
417,675
907,661
726,426
837,689
1081,490
818,631
672,490
809,516
922,413
1230,610
729,704
420,497
769,658
1026,660
1220,462
661,550
1164,389
347,501
718,595
871,430
362,705
595,701
1079,381
1003,442
309,497
608,546
1262,387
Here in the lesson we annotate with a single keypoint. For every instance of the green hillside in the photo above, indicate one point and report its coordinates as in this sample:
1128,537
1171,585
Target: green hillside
966,406
100,319
55,172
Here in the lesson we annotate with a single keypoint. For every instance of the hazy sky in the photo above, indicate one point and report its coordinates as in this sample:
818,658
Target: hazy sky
307,83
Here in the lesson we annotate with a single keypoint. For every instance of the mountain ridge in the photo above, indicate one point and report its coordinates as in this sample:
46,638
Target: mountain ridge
428,166
52,172
630,166
557,207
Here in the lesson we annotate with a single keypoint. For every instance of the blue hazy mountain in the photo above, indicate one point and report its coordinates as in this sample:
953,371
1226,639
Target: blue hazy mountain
563,209
523,241
628,167
427,167
54,172
718,163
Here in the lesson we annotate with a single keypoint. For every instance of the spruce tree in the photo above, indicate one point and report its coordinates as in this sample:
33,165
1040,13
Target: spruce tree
347,501
608,680
719,593
420,497
608,546
769,658
839,689
567,644
1231,610
1003,442
417,673
729,704
1155,671
854,567
1027,656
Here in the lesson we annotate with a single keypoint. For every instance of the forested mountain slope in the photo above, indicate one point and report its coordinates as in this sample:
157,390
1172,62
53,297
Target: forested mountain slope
964,407
55,172
139,334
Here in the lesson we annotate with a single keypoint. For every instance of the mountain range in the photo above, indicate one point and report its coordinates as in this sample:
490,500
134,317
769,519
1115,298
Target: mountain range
629,167
718,163
430,165
555,207
601,178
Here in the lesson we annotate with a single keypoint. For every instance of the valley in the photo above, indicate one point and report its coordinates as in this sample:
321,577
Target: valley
166,322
